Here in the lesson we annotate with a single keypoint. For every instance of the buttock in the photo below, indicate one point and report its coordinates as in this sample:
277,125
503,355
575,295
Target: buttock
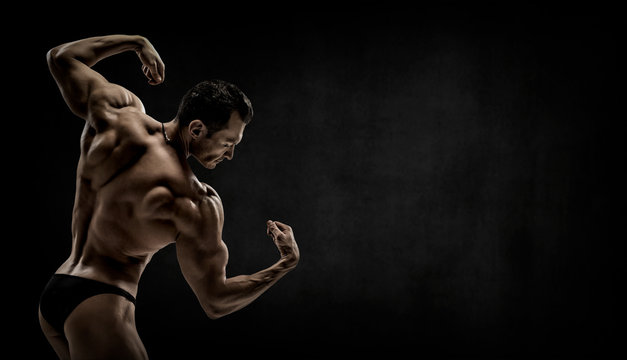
64,293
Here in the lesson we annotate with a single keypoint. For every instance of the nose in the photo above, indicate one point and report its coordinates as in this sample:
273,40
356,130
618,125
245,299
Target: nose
229,153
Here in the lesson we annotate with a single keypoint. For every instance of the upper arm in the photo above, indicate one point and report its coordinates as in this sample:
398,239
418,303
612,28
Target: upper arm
202,254
86,92
201,251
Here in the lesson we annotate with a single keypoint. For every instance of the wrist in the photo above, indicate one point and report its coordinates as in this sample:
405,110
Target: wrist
138,42
288,262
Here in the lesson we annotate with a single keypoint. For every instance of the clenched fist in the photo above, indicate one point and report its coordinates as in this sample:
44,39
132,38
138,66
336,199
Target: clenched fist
283,238
152,65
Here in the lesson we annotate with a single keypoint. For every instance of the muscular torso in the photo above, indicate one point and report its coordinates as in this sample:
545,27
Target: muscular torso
114,231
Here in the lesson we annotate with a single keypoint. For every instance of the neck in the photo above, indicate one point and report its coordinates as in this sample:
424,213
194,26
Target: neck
176,139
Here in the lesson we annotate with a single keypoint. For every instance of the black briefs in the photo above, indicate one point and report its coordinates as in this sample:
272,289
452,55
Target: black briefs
64,292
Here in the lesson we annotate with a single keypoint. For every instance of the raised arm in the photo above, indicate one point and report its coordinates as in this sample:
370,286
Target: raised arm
70,65
203,256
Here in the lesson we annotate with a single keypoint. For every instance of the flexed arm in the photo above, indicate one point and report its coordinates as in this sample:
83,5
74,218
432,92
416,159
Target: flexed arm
203,257
70,65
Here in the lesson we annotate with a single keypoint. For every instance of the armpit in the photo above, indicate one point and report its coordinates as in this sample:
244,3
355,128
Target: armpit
161,204
158,203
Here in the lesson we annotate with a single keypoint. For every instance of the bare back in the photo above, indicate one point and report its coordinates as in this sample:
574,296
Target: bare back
114,232
124,163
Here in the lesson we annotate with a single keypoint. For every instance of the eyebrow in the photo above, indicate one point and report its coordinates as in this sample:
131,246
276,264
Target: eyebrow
231,139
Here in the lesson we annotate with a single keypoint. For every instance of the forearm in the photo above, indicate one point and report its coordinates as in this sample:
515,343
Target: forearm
239,291
71,66
203,258
91,50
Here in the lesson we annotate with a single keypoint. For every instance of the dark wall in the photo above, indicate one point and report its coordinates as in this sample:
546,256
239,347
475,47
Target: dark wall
453,175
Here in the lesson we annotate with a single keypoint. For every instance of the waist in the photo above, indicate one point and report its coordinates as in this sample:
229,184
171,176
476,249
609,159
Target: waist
119,271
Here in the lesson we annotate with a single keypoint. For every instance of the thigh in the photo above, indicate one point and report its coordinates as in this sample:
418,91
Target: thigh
103,327
55,338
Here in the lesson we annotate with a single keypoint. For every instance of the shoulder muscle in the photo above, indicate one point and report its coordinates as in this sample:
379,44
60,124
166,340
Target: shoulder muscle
104,102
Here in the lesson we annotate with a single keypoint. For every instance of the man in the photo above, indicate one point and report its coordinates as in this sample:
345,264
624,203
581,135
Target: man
135,194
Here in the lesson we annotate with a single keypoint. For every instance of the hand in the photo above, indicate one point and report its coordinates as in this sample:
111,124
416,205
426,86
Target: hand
152,65
283,238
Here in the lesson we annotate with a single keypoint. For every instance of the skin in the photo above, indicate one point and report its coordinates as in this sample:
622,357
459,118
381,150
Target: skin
135,194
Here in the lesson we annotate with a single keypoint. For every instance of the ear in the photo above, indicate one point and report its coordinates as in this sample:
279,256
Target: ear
196,128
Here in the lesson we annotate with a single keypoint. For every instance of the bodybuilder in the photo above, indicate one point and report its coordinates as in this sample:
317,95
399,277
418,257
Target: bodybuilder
135,194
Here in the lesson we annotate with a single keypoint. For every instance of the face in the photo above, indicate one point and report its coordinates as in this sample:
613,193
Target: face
221,145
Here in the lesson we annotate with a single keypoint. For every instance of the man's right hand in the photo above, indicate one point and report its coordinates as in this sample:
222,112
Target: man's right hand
283,238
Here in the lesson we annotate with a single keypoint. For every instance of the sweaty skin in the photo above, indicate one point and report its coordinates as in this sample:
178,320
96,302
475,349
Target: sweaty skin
135,194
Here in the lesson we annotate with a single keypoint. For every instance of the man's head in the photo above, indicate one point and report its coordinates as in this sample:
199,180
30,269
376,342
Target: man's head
213,115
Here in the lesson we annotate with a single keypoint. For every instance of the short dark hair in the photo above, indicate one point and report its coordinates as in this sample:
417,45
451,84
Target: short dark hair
213,102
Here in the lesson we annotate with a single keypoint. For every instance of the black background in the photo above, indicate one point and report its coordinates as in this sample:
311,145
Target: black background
454,176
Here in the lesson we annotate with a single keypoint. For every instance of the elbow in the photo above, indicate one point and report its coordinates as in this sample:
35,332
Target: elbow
214,311
216,306
60,56
214,315
52,55
56,58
